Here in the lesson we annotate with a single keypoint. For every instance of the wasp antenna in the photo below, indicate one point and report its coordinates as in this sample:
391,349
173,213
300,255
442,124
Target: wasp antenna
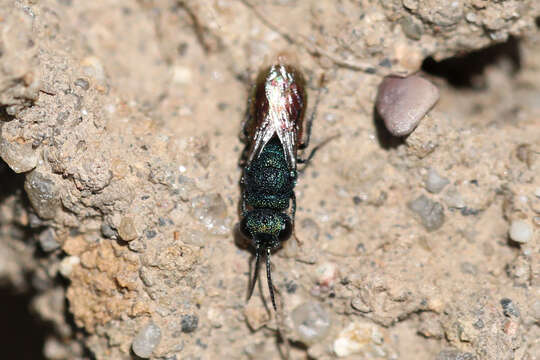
269,278
255,274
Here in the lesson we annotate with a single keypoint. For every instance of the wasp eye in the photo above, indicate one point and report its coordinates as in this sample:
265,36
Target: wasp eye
286,230
244,229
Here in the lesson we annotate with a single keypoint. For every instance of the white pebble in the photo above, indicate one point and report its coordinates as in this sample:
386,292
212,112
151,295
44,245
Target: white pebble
520,231
359,338
435,182
326,274
181,75
146,340
67,264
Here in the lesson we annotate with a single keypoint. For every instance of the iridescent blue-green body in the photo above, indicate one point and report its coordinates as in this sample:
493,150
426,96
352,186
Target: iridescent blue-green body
269,183
273,134
268,188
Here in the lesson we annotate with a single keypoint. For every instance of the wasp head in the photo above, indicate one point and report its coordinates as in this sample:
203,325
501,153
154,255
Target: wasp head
266,228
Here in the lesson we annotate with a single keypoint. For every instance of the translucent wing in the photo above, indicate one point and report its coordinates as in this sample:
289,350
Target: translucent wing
278,110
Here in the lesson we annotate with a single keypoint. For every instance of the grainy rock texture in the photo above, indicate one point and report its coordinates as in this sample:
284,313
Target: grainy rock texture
119,126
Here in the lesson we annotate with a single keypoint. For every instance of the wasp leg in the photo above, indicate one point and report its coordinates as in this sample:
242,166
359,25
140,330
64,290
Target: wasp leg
310,156
255,274
315,149
293,214
293,210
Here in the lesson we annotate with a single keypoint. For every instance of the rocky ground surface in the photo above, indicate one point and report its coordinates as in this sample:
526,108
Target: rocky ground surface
119,126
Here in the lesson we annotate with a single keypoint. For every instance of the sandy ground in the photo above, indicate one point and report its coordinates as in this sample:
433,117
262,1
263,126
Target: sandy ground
119,192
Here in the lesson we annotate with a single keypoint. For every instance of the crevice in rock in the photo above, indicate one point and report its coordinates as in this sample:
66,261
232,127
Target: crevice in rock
467,70
4,116
22,334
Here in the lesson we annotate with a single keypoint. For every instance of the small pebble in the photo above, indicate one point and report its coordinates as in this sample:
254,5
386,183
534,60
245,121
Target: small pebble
520,231
128,229
137,246
47,240
43,193
56,349
455,355
468,268
82,83
67,264
146,340
358,303
181,75
509,308
311,322
256,316
510,327
412,27
359,338
19,157
108,231
325,275
410,4
453,199
403,102
189,323
479,324
150,234
430,213
434,182
291,287
537,192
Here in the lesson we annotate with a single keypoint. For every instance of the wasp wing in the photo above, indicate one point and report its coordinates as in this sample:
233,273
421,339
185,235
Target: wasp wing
279,108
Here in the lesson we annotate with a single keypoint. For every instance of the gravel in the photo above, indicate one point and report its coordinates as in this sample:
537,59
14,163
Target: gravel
67,264
43,194
189,323
468,268
146,340
435,183
403,102
82,83
108,231
428,212
19,157
129,228
455,355
362,338
453,198
311,322
412,27
47,240
509,308
520,231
